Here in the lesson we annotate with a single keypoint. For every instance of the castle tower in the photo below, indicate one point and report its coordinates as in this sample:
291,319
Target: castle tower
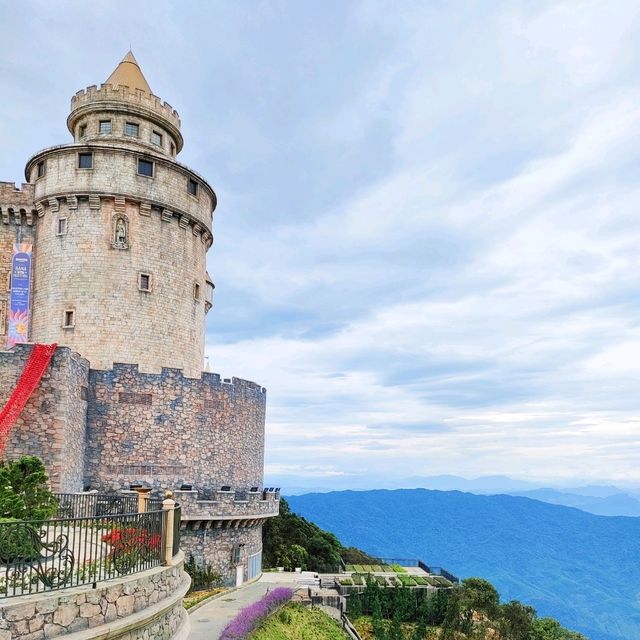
123,230
103,251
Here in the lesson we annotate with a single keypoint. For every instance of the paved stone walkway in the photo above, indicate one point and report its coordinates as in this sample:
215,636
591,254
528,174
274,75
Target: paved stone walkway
209,620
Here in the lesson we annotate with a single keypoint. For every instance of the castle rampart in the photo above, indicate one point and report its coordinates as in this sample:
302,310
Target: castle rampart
167,430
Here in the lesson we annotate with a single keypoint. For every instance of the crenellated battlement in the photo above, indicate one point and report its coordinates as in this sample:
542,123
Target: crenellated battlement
130,374
137,97
13,196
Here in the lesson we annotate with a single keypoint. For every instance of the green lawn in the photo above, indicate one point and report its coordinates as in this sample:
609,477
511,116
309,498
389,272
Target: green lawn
295,622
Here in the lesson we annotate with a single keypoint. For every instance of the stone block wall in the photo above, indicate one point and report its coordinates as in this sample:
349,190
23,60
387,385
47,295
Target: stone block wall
138,607
16,225
52,424
166,430
215,547
114,320
247,505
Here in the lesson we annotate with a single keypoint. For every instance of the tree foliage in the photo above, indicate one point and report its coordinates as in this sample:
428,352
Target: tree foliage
471,611
24,490
290,541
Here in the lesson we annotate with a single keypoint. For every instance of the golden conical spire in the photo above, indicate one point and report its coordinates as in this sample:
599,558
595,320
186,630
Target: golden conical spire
128,73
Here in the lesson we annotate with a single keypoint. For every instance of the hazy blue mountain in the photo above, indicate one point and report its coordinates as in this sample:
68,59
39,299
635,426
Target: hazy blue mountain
580,568
617,504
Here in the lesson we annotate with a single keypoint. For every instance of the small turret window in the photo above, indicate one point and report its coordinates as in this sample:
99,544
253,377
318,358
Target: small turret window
156,138
40,169
85,161
83,130
131,129
196,291
61,227
69,319
144,282
192,187
173,149
145,168
105,126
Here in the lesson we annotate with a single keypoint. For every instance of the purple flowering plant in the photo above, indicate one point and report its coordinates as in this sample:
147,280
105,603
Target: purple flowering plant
250,617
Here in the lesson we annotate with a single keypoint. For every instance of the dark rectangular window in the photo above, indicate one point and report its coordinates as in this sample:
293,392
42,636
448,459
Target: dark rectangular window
69,319
156,138
145,167
83,130
173,149
40,168
85,160
131,129
144,283
192,187
105,126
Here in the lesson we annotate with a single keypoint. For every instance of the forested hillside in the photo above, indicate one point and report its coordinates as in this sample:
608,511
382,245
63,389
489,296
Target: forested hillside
580,568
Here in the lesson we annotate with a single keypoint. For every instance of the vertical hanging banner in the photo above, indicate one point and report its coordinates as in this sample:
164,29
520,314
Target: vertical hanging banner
20,296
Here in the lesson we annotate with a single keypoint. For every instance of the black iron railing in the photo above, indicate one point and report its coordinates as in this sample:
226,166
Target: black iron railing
154,504
40,556
86,505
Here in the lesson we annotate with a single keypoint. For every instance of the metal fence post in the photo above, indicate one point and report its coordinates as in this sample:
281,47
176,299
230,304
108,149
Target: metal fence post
168,505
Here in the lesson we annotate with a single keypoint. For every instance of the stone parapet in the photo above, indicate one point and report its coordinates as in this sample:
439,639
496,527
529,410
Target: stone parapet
138,607
230,505
107,97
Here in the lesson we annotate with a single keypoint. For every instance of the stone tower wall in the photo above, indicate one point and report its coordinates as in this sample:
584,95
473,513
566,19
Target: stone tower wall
214,547
52,424
83,271
114,319
167,430
17,214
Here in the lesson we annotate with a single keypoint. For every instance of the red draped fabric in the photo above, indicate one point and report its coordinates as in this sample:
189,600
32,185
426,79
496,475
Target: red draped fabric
32,373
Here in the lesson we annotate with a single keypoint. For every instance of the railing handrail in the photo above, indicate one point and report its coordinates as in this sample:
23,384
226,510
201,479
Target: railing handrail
46,554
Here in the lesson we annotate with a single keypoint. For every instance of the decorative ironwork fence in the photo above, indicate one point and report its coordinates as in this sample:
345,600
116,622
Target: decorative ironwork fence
40,556
154,504
86,505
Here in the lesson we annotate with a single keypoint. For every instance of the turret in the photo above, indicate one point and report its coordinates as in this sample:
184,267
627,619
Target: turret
122,233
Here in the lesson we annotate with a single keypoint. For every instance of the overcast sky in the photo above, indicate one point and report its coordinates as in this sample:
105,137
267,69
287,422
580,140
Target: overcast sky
427,244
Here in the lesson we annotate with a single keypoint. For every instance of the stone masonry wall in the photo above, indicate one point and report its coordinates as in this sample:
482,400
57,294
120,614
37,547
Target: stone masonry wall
115,169
167,430
15,204
52,424
114,320
59,613
215,547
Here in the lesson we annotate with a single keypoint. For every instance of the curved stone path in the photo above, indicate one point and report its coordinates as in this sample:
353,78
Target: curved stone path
208,621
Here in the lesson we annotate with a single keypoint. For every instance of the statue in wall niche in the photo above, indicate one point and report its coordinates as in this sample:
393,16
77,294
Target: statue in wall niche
121,240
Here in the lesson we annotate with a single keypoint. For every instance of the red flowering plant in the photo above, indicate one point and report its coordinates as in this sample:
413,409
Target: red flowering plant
131,546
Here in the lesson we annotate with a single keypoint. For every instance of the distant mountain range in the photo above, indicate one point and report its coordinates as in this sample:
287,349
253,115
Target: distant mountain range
580,568
604,500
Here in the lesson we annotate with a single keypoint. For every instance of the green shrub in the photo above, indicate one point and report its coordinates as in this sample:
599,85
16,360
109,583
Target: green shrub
203,576
24,490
